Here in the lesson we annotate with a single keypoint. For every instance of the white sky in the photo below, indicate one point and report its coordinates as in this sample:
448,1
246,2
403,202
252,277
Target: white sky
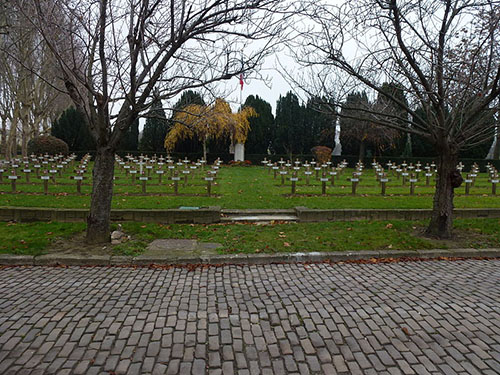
269,90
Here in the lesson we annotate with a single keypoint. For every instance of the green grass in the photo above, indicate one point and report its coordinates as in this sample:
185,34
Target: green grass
245,187
301,237
36,238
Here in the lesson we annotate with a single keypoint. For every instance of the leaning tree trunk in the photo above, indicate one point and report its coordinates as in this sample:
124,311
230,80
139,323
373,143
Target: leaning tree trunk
205,150
448,178
98,221
361,155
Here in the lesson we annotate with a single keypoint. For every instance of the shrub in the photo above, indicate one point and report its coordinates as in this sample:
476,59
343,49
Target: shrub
47,144
245,163
322,153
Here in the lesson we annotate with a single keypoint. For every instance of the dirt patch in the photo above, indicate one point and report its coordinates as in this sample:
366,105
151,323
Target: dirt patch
77,245
462,239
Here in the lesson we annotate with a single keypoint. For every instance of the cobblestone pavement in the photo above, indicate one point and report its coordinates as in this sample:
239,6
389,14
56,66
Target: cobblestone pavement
397,318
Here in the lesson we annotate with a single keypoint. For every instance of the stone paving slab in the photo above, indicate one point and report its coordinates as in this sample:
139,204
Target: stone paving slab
433,317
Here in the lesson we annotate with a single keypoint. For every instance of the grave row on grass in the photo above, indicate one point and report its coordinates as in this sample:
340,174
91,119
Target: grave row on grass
403,175
131,171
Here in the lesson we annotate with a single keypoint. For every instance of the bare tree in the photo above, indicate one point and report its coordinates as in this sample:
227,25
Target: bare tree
27,101
446,56
114,52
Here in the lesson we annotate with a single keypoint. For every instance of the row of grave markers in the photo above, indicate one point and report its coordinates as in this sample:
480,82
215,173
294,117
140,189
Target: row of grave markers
407,173
143,168
46,168
133,167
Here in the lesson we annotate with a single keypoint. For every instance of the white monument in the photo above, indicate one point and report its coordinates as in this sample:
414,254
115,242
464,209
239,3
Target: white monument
239,152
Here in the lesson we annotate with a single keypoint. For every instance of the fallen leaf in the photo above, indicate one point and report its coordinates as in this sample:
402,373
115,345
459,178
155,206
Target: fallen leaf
406,331
389,226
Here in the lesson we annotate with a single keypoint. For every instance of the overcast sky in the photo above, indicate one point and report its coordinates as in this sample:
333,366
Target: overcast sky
270,90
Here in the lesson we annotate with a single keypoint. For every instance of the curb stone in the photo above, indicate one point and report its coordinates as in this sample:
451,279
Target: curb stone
248,259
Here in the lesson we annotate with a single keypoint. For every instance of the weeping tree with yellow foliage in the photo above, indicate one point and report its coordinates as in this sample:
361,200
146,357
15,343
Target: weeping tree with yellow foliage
209,122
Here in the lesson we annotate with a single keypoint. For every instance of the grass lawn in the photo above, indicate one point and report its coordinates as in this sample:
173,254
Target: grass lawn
38,238
246,187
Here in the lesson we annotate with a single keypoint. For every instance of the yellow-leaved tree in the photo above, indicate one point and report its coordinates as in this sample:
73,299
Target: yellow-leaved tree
209,122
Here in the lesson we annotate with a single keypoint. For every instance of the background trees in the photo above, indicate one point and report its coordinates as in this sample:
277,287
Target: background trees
29,83
188,145
155,129
260,134
446,56
209,123
359,133
72,129
298,128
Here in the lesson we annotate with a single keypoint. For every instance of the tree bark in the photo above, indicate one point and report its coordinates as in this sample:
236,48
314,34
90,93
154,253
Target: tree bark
3,136
362,150
441,224
496,151
205,150
98,221
11,147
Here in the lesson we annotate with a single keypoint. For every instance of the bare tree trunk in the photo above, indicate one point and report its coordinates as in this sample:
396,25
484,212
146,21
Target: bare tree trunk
11,147
441,224
98,221
24,138
3,135
361,150
205,150
496,151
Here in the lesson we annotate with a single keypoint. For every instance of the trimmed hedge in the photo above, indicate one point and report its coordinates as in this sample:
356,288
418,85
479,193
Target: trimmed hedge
47,144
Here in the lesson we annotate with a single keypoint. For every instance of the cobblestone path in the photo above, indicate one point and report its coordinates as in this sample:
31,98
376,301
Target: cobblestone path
399,318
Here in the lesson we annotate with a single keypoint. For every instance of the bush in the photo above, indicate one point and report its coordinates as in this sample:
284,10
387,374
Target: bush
245,163
322,153
47,144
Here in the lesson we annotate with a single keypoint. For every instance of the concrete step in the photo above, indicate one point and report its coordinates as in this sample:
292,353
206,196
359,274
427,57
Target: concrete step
254,218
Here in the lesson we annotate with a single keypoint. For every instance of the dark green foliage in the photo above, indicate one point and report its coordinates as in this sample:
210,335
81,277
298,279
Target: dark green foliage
299,128
351,129
155,129
72,129
361,132
320,120
187,145
130,140
400,144
259,136
47,144
289,125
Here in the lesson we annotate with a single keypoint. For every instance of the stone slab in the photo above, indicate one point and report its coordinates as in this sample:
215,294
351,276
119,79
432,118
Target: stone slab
17,260
169,245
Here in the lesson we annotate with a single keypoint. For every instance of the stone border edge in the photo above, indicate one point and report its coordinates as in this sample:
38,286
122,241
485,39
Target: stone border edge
242,259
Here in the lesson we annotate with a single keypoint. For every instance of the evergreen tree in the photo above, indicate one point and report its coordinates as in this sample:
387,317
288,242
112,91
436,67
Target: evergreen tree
72,129
188,145
400,144
289,126
130,140
360,132
259,136
155,128
319,124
